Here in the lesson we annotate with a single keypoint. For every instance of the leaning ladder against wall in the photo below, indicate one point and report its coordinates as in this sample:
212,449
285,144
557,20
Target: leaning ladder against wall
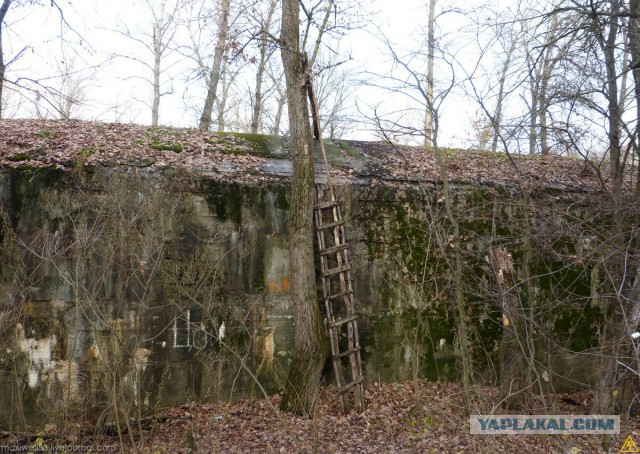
336,284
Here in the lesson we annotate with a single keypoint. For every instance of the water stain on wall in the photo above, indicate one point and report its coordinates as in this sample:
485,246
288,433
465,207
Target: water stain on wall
170,294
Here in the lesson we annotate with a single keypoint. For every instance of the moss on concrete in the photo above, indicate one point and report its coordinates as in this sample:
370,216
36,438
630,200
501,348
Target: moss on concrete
402,275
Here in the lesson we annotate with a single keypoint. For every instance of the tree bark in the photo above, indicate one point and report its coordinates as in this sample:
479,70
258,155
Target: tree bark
463,349
431,49
613,330
222,103
533,121
278,117
545,75
634,49
164,28
157,56
257,105
541,69
513,357
310,334
544,126
221,43
3,13
615,114
497,117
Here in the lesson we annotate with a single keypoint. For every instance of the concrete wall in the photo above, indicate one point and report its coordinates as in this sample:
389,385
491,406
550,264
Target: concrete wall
124,289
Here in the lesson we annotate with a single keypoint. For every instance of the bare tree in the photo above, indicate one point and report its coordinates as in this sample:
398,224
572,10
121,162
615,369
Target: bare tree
497,72
607,39
431,56
310,334
157,43
5,26
164,29
228,100
508,49
546,48
281,99
4,9
265,52
334,86
407,79
27,85
216,66
587,40
540,89
66,92
634,50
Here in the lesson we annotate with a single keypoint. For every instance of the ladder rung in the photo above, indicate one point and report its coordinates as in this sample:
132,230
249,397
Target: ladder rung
347,352
325,205
336,270
331,250
322,230
342,321
339,294
329,225
348,386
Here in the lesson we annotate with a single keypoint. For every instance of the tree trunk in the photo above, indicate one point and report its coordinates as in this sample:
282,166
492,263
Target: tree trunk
157,55
544,127
533,121
544,105
548,64
463,349
222,103
310,334
613,329
614,106
513,357
634,49
497,117
223,29
164,28
541,70
431,49
257,105
278,117
3,13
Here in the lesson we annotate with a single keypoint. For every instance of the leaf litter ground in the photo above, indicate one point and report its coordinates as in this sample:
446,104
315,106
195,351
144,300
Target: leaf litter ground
399,418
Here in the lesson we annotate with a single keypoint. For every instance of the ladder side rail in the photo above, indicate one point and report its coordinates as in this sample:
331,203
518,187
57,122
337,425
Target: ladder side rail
335,270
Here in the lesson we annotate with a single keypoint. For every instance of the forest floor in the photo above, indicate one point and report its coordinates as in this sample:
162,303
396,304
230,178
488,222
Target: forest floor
399,418
407,417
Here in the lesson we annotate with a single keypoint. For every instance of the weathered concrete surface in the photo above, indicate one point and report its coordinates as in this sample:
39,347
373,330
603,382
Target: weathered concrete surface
251,158
139,287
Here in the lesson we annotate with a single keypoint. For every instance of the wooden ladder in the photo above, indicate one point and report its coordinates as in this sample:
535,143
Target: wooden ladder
338,299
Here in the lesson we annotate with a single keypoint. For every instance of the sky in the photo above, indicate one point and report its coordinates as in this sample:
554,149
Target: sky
116,86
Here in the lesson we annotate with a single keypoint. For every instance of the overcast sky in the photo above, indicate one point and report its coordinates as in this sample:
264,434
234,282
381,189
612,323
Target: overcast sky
117,89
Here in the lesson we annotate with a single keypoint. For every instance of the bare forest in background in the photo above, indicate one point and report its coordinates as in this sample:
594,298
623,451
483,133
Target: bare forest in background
537,78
